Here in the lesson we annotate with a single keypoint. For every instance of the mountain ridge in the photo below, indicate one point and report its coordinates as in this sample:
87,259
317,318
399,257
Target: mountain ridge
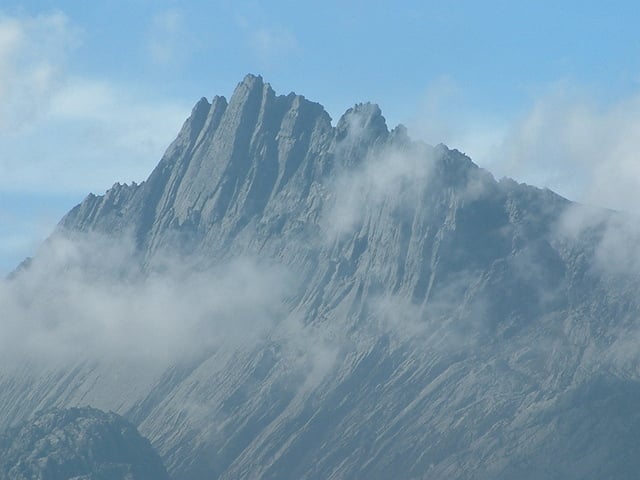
303,300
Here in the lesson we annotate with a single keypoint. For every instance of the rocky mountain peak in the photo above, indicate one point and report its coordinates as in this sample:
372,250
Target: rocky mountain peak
354,304
251,82
363,117
232,161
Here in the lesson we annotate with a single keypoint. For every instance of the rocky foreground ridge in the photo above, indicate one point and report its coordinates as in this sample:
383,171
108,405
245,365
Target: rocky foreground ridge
80,444
310,301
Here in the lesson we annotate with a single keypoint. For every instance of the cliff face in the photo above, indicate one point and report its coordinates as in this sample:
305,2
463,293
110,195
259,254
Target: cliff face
430,322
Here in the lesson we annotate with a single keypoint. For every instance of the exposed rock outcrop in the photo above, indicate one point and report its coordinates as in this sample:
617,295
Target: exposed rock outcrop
79,444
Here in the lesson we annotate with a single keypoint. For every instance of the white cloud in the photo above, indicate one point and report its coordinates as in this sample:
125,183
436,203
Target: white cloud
614,237
74,304
393,175
67,134
442,116
584,150
64,133
26,232
434,122
273,44
93,134
168,39
33,52
565,141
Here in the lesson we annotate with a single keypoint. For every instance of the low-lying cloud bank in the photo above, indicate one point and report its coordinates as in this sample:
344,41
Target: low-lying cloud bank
82,298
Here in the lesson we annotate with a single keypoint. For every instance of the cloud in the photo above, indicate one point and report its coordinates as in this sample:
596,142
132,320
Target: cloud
613,237
33,54
394,174
168,39
442,115
273,44
270,44
25,229
68,134
566,139
585,150
393,179
73,307
311,348
432,122
72,304
92,134
89,132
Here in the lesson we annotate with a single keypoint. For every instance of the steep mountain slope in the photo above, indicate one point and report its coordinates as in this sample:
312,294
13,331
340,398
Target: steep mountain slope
348,304
79,443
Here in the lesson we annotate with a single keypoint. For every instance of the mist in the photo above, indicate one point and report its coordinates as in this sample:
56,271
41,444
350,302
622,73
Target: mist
82,298
565,137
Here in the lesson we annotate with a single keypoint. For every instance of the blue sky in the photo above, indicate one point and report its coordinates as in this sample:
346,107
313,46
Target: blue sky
92,92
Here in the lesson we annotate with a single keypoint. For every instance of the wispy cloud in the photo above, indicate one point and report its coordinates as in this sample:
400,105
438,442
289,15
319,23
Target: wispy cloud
73,304
33,53
92,134
270,43
434,121
565,140
90,131
25,230
587,151
169,41
393,175
442,115
273,44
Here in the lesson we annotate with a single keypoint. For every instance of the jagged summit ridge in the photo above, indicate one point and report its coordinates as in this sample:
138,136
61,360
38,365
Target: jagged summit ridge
232,160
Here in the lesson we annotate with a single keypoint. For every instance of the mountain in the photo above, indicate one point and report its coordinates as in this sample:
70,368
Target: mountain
285,298
78,443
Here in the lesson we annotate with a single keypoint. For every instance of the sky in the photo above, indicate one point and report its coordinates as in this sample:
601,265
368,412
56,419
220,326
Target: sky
92,93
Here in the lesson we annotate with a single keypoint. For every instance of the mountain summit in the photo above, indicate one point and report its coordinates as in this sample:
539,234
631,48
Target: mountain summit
289,298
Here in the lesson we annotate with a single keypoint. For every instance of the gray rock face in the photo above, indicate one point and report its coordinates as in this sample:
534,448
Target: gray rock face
78,443
436,323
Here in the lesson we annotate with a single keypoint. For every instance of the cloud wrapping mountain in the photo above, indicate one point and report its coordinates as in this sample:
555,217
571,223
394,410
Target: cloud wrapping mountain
286,298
